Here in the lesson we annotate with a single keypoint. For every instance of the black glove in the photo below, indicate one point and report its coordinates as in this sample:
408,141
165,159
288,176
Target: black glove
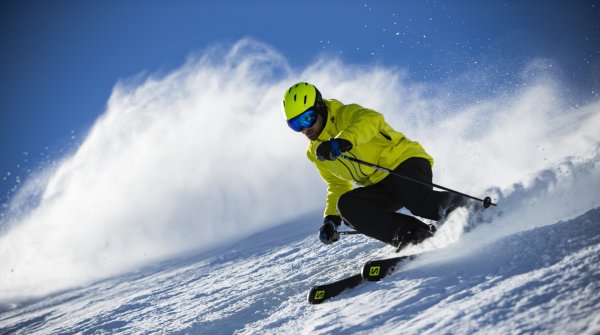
328,232
330,150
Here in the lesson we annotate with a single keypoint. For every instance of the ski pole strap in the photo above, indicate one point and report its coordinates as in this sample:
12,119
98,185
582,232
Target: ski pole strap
487,201
335,147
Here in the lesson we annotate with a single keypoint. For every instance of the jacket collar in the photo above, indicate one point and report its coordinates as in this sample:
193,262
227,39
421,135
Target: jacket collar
330,130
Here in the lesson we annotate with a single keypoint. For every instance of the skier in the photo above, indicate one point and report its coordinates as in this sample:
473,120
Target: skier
335,129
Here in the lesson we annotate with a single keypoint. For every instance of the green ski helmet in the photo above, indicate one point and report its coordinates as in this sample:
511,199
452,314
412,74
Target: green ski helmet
300,98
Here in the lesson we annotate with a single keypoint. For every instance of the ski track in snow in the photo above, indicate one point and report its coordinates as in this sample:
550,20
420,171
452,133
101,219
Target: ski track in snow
509,274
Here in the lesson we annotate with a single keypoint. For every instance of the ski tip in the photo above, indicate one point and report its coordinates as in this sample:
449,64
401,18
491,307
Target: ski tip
372,271
316,295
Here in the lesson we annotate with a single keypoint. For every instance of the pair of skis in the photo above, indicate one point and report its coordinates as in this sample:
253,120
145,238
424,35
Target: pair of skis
373,270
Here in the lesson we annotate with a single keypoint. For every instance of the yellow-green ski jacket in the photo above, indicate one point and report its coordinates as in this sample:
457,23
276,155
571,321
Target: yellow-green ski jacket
373,140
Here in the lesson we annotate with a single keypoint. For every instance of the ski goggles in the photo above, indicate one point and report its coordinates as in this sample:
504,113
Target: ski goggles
304,120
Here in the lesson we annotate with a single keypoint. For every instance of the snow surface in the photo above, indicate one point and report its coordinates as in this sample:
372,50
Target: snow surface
94,244
543,277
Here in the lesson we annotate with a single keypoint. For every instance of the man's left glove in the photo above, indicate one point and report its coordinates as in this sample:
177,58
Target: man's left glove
330,150
328,232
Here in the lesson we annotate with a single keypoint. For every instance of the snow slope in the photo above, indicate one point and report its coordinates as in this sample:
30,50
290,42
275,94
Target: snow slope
507,274
94,244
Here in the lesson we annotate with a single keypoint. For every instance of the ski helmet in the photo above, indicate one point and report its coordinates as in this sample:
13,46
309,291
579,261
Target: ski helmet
300,98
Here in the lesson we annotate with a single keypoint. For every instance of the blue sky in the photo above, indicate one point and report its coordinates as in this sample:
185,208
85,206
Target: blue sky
60,60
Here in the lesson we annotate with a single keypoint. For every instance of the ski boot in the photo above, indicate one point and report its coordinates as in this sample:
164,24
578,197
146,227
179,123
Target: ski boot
401,240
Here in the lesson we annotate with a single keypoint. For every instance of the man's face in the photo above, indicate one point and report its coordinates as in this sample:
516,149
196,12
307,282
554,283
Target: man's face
313,132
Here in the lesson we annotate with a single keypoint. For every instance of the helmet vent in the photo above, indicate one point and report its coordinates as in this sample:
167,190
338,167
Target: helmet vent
305,99
294,97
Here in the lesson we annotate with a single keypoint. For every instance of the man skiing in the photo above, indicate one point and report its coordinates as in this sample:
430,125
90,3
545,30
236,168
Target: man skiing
335,129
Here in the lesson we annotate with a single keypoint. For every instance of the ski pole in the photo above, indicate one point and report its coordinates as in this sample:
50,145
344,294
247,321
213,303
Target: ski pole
487,201
349,232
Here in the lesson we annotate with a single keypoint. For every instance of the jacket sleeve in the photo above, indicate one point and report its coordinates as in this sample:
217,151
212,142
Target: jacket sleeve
362,124
335,188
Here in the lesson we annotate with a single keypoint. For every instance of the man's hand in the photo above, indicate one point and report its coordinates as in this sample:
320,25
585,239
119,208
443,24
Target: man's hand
328,232
330,150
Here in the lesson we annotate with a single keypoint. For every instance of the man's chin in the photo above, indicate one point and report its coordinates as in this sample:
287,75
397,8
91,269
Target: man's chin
312,137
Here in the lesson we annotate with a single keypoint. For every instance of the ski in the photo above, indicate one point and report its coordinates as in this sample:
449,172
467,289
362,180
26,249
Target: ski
373,270
376,270
320,293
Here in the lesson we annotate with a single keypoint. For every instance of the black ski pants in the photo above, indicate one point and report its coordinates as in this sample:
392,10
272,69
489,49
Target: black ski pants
372,210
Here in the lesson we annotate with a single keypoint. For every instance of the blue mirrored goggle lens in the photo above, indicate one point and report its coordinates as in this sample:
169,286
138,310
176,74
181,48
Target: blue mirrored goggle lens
304,120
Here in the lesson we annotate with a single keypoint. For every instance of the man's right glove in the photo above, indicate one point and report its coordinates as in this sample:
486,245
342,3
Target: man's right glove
330,150
328,232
